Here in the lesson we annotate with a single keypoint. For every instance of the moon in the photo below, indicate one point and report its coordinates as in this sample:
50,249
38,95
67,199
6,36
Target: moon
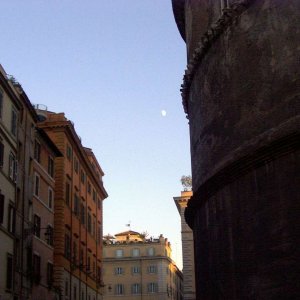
163,113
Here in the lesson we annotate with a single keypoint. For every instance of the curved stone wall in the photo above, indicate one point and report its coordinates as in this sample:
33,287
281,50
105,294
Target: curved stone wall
241,93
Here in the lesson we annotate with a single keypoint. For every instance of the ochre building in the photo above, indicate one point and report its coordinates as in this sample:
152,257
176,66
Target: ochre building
79,193
140,268
187,242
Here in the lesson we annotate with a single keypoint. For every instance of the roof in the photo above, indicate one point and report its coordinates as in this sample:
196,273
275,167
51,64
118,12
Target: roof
131,232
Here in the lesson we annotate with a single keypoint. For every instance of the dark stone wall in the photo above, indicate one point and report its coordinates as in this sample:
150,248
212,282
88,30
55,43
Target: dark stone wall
248,83
243,105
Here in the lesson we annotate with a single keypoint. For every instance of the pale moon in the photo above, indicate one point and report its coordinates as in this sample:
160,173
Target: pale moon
163,113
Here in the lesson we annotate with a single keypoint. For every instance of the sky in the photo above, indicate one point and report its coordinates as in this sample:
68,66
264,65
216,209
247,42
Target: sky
115,69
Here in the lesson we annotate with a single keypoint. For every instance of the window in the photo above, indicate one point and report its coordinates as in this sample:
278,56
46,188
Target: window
136,288
1,154
76,165
99,234
88,268
12,164
119,289
82,214
50,166
69,152
36,268
119,253
13,127
98,274
37,151
152,287
68,188
49,274
136,252
9,272
152,269
89,222
1,208
67,289
94,195
49,235
82,176
150,251
36,185
1,104
94,226
37,225
11,218
89,188
74,252
81,257
119,271
67,246
50,198
74,292
135,270
76,205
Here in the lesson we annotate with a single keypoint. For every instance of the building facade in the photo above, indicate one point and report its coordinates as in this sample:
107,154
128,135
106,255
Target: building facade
79,193
9,110
187,241
42,217
140,268
241,95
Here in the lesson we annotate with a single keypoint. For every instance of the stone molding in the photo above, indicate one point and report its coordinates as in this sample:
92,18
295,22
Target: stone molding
267,147
228,17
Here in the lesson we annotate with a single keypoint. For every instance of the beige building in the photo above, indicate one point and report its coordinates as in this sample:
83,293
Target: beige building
138,268
189,290
9,111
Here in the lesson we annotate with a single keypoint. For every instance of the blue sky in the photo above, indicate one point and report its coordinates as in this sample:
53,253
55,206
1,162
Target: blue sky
112,67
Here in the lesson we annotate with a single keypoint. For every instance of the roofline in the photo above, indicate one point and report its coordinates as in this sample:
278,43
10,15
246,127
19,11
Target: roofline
50,143
67,124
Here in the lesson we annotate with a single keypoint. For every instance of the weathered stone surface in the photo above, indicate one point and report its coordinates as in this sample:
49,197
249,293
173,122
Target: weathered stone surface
242,98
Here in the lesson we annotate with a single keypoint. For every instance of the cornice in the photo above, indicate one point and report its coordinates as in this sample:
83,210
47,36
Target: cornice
276,144
229,15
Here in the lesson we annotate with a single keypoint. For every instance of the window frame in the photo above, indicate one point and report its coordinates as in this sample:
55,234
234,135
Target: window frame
11,222
37,225
152,287
136,288
37,151
37,181
51,166
119,270
50,198
9,272
36,267
12,166
14,122
50,274
119,289
121,251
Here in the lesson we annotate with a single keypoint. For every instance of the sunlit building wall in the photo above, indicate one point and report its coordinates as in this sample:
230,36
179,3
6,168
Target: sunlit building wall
139,268
79,193
187,240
